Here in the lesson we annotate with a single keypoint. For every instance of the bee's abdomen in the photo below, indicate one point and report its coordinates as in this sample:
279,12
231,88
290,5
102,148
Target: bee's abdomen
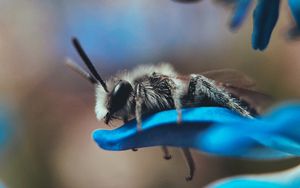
204,92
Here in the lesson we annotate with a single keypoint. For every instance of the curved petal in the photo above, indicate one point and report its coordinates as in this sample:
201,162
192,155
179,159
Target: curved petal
213,130
289,179
265,17
295,9
162,129
240,13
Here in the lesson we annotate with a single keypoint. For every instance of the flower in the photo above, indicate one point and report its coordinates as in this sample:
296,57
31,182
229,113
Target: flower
289,179
214,130
265,16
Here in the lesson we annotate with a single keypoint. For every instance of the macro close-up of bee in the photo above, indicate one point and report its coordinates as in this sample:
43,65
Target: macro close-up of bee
148,89
150,94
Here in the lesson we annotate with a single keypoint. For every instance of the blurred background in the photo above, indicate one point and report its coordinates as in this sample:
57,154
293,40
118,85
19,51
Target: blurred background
48,111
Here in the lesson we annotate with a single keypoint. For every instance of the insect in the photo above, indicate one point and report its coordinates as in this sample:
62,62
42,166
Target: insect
149,89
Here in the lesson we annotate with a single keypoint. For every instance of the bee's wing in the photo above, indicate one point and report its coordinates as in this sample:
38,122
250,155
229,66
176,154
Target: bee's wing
230,77
254,99
240,86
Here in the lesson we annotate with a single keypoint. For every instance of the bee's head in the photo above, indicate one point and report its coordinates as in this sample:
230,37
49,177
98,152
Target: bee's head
117,98
108,102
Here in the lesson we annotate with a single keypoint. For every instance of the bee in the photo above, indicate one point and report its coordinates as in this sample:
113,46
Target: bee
153,88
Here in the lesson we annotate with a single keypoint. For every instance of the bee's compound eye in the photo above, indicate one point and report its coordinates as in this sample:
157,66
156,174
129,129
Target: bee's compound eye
119,96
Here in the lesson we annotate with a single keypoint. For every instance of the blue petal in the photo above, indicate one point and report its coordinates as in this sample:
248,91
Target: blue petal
246,183
161,129
239,15
295,9
6,126
288,179
213,130
264,20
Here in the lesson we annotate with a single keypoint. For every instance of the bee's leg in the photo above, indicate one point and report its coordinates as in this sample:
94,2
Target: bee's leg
138,107
138,114
166,152
125,120
177,104
178,109
190,163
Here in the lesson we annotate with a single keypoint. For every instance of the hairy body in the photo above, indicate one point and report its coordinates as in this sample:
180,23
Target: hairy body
158,88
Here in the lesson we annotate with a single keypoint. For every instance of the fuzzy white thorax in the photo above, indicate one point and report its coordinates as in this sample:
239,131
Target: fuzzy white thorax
142,70
100,108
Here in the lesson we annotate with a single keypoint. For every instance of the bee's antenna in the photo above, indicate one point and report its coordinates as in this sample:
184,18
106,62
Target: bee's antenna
70,63
88,62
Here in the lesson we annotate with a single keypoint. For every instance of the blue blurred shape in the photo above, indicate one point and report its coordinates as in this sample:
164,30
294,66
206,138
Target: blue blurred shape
108,34
5,126
240,13
213,130
265,17
295,9
287,179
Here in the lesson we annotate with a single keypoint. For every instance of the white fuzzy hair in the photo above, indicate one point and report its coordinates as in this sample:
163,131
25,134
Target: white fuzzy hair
142,70
100,108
